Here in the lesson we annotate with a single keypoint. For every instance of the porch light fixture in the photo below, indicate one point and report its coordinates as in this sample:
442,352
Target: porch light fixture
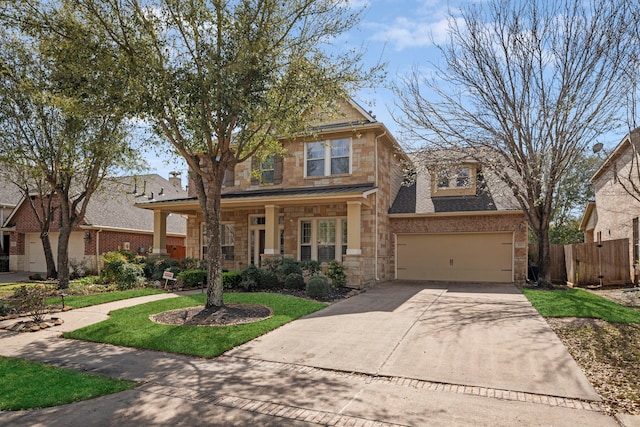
87,236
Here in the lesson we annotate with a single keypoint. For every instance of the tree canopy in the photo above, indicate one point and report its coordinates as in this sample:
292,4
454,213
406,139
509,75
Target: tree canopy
525,87
224,80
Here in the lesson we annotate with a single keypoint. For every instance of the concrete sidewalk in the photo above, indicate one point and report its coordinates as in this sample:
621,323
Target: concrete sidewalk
253,390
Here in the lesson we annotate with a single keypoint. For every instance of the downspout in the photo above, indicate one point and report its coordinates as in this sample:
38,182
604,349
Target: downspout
98,250
376,240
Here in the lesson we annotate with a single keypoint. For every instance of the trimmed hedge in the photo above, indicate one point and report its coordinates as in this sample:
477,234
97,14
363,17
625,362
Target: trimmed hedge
318,287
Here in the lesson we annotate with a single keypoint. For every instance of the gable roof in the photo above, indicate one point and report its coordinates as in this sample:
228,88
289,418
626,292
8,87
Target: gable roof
10,194
623,145
113,205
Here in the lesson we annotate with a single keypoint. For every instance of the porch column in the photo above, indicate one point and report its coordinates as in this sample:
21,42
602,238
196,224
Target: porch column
354,219
272,230
160,232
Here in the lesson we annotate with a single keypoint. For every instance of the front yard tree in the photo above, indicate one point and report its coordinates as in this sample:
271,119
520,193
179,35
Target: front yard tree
525,87
61,121
223,80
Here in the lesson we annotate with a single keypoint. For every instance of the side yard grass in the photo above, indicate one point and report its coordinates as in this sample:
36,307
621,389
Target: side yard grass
602,336
132,327
30,385
579,303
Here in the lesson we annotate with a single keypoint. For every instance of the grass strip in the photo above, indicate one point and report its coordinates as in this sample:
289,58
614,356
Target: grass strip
79,301
579,303
30,385
131,326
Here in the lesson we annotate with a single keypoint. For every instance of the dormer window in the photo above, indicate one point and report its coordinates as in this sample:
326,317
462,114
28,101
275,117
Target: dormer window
456,181
460,178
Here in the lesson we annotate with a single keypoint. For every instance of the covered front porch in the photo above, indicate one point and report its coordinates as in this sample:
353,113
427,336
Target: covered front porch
320,224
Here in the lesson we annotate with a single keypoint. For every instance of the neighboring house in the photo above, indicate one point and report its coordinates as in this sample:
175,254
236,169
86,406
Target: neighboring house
615,213
332,198
9,198
111,222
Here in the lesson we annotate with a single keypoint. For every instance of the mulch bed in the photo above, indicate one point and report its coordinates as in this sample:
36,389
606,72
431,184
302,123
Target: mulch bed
228,315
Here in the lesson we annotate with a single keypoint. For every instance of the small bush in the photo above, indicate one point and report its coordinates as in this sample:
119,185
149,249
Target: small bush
32,299
231,279
294,281
5,308
131,275
318,287
192,278
311,267
268,280
336,272
155,267
78,268
257,278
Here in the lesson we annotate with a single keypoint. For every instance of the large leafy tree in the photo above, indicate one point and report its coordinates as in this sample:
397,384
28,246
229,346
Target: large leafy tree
223,80
525,87
62,119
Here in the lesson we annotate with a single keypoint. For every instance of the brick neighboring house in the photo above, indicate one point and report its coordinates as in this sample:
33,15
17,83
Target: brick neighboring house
615,213
111,222
331,197
9,198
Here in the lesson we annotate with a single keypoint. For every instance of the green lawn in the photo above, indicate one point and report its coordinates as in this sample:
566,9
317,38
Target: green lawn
29,385
579,303
131,326
79,301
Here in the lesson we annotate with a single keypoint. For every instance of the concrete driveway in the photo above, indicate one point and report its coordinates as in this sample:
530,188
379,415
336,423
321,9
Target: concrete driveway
484,335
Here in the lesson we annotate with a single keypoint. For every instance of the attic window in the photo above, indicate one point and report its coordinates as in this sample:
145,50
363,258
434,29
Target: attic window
461,178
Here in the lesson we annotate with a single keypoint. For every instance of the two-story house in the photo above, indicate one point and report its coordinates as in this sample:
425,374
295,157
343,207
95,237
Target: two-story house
615,212
331,197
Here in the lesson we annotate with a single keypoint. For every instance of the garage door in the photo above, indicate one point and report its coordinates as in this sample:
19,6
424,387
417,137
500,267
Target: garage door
35,253
456,257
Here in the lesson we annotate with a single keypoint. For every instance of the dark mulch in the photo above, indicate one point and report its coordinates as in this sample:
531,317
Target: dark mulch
230,314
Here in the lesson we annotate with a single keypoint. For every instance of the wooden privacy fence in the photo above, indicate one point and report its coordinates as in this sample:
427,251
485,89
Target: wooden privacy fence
593,263
558,268
582,264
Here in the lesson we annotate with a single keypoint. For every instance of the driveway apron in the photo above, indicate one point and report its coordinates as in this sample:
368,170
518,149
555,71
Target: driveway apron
485,335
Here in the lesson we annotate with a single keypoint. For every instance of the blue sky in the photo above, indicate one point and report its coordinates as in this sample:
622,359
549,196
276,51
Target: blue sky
397,32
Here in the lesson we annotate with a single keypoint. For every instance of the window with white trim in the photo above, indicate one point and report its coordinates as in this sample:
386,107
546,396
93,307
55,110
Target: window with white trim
323,239
267,170
328,157
227,241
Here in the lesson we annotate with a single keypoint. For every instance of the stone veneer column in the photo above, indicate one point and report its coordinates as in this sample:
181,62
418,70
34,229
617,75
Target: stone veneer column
272,231
160,233
354,224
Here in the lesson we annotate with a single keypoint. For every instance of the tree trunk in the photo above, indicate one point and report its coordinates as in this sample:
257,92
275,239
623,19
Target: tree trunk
209,193
48,255
63,256
544,256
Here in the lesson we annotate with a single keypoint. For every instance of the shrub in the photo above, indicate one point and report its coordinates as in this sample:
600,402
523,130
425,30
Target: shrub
257,278
78,268
117,269
155,267
192,278
231,279
335,272
32,299
191,264
318,287
311,267
294,281
5,308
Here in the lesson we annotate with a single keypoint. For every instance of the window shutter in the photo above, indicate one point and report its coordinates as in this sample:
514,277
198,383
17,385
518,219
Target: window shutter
255,170
277,170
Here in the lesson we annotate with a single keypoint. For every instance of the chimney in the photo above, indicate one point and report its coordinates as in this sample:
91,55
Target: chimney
174,179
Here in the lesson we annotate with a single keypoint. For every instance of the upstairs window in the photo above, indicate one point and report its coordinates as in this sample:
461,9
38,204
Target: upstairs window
328,158
458,178
267,170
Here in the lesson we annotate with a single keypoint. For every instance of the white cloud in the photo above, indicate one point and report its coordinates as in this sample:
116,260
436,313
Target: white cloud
405,33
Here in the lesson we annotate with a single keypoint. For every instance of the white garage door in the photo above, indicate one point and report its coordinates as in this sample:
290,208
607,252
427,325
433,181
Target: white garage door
35,253
455,257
